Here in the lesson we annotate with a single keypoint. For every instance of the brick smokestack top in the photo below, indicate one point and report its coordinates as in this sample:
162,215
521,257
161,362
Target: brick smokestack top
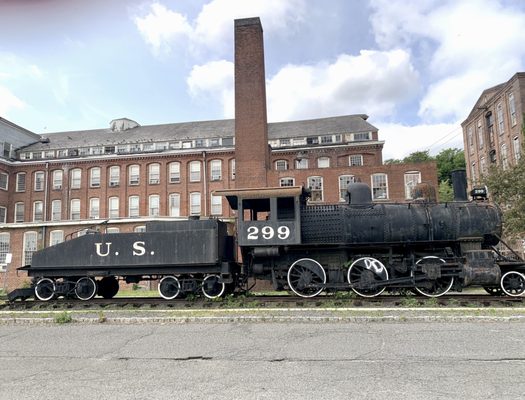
252,156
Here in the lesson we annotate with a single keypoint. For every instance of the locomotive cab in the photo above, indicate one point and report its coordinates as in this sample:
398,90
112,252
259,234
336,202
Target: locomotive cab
267,216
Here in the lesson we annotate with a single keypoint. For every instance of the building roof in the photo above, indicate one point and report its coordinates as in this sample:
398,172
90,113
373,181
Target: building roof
197,130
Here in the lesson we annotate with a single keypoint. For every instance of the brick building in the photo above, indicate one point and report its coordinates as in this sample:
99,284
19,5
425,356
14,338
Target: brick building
493,131
59,185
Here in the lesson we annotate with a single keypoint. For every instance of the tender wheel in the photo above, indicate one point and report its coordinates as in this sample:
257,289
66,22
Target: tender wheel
513,283
108,287
169,287
45,289
365,274
212,288
435,287
86,288
494,290
305,276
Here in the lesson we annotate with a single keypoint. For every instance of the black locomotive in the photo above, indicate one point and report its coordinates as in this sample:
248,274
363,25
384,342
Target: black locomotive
423,246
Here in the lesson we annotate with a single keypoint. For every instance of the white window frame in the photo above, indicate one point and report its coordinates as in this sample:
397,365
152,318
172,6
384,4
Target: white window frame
301,163
216,205
20,206
114,176
285,182
74,210
379,186
411,179
133,206
39,181
504,155
134,175
154,205
4,180
55,237
195,203
94,177
5,247
38,211
76,178
499,116
154,174
174,172
21,183
323,162
512,110
94,208
516,148
3,215
56,210
113,207
232,169
480,134
355,160
315,184
281,165
30,245
58,177
344,181
215,170
174,204
195,171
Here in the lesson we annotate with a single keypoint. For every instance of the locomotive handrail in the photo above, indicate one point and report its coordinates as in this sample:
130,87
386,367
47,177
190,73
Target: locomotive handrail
519,258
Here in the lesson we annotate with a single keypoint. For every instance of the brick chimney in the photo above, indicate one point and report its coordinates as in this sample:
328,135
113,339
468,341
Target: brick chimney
252,155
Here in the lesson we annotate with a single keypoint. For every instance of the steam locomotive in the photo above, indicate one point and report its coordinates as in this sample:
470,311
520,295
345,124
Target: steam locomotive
426,247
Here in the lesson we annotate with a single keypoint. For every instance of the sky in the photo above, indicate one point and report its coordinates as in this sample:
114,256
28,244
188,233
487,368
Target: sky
415,67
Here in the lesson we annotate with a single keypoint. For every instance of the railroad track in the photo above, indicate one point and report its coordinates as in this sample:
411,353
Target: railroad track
157,303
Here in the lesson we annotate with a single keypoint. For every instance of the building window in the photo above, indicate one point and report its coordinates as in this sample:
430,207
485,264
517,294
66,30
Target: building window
174,172
113,207
195,203
94,178
56,210
483,165
112,230
470,140
76,176
38,211
215,142
302,163
216,205
323,162
355,160
312,140
195,171
473,173
412,178
94,208
30,246
516,148
154,174
133,206
283,182
499,116
5,247
139,229
57,179
357,137
215,170
21,182
75,210
114,176
489,120
56,237
344,181
174,204
480,134
315,184
281,165
4,178
134,175
379,187
3,215
232,169
19,212
512,109
154,205
39,181
326,139
504,156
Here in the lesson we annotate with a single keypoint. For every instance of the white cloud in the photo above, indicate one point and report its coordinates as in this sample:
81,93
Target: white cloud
401,140
9,101
212,29
161,27
466,46
214,80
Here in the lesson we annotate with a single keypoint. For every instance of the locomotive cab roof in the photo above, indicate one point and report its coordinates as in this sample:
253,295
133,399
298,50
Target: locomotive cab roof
234,195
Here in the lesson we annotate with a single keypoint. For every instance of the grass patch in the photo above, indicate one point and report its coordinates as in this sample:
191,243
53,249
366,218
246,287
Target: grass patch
63,318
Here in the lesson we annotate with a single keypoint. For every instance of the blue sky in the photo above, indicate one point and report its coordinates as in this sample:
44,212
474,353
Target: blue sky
415,67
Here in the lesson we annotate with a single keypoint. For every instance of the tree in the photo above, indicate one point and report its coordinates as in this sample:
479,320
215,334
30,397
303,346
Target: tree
447,161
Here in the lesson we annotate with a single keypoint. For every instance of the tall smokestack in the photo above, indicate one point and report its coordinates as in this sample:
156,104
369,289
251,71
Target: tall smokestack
252,156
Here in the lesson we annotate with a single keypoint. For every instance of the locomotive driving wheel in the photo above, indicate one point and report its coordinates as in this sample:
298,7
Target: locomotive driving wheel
365,276
433,287
85,288
306,277
169,287
513,283
108,287
212,288
45,289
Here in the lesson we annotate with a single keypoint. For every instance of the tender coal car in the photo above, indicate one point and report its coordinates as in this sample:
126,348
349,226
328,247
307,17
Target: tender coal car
423,246
187,256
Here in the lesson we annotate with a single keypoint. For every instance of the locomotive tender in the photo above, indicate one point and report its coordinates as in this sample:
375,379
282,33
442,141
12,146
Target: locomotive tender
423,246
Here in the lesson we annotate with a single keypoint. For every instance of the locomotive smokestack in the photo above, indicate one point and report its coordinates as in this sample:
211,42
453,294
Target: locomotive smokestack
459,184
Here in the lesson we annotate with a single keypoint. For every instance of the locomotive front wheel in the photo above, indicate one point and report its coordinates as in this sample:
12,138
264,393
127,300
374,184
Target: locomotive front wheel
305,276
85,288
365,274
513,283
169,287
435,287
45,289
212,288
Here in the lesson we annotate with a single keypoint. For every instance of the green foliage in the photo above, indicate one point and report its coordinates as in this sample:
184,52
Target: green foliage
417,157
507,188
63,318
445,191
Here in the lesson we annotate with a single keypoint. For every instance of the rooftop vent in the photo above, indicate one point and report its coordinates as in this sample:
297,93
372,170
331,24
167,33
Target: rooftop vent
122,124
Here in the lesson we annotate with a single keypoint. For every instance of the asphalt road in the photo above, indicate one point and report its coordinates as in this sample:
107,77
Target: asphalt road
407,360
